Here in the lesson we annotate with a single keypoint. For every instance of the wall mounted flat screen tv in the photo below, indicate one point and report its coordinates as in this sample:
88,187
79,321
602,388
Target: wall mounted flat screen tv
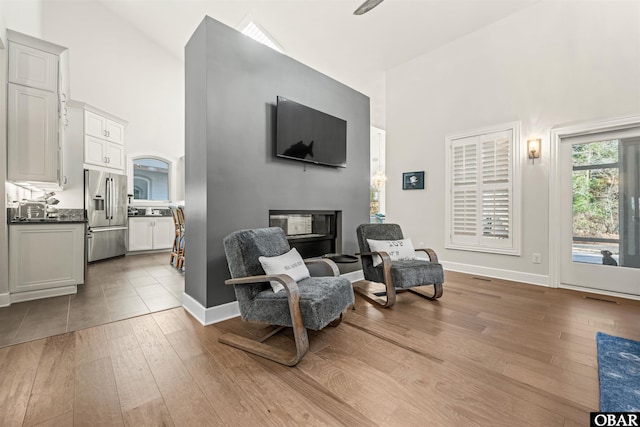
309,135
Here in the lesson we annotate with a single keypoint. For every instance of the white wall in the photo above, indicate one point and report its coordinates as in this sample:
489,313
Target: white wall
551,64
117,69
24,16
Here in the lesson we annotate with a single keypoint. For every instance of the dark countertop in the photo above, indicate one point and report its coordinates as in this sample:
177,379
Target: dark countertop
65,216
142,212
147,216
47,221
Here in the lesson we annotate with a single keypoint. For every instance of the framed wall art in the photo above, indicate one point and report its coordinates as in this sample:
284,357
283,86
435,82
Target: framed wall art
413,180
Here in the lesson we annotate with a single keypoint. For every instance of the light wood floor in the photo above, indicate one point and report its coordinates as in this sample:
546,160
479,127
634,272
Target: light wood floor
489,353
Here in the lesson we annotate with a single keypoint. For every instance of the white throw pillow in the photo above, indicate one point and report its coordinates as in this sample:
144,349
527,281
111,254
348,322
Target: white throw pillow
398,250
290,263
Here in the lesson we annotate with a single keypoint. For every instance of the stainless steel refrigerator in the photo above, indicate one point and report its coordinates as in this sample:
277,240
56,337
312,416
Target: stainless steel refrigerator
105,201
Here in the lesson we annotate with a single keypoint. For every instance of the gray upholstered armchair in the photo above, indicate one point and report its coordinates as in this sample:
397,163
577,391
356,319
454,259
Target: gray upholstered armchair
312,303
397,276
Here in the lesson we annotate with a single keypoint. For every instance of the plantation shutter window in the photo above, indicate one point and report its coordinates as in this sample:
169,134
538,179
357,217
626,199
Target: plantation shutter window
482,210
465,201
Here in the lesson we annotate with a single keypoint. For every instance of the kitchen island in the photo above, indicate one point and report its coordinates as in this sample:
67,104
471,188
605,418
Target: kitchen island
46,257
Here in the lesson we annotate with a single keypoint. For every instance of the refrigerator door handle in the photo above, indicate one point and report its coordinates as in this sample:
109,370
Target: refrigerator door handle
115,201
112,198
107,198
101,230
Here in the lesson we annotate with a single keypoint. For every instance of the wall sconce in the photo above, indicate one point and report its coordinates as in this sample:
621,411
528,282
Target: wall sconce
533,148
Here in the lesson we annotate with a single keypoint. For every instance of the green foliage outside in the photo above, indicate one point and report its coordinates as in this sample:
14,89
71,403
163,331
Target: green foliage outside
596,191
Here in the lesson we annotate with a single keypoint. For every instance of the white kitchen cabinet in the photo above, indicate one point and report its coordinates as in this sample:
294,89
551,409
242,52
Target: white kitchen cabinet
100,152
35,120
101,127
32,131
45,257
150,233
115,132
33,67
101,134
115,156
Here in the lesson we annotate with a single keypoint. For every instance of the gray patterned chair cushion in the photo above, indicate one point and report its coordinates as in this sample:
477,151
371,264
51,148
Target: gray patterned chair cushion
322,299
404,274
416,272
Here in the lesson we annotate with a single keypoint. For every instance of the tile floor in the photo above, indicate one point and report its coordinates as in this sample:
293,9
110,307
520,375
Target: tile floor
114,290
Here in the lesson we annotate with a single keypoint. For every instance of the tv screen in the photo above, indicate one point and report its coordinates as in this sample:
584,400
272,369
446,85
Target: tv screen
310,135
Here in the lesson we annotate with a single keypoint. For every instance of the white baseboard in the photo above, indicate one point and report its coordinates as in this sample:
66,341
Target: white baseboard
5,300
354,276
599,292
211,315
497,273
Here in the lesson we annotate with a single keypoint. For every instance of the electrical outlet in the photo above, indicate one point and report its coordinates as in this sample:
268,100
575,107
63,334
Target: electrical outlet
421,245
537,258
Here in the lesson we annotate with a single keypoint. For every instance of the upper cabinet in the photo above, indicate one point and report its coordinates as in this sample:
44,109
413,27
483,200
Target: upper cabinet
35,104
104,128
33,67
102,136
33,134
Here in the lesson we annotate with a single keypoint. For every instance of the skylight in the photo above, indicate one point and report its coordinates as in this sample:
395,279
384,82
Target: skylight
258,34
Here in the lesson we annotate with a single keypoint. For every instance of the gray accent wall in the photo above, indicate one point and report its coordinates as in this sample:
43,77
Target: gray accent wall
232,177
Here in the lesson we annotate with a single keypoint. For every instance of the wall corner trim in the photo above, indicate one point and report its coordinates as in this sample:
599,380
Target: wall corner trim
497,273
5,300
211,315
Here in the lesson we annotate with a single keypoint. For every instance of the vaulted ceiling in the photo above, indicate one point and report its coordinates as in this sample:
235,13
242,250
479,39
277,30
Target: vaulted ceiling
324,34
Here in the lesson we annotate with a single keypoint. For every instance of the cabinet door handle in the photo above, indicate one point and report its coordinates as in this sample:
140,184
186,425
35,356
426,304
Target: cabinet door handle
104,132
108,159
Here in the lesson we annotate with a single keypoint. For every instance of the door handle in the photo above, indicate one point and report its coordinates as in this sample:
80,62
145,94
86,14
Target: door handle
107,197
113,198
104,230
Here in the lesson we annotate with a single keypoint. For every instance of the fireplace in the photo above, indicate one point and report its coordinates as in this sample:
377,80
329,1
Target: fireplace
312,233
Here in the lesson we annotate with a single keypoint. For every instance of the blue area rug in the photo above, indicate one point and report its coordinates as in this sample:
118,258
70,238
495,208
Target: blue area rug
619,373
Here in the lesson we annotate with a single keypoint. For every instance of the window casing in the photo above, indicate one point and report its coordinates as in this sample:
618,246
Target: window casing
482,190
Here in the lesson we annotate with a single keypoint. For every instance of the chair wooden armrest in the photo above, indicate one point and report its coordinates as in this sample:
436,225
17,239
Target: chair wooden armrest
433,257
284,279
386,259
299,331
327,265
386,272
